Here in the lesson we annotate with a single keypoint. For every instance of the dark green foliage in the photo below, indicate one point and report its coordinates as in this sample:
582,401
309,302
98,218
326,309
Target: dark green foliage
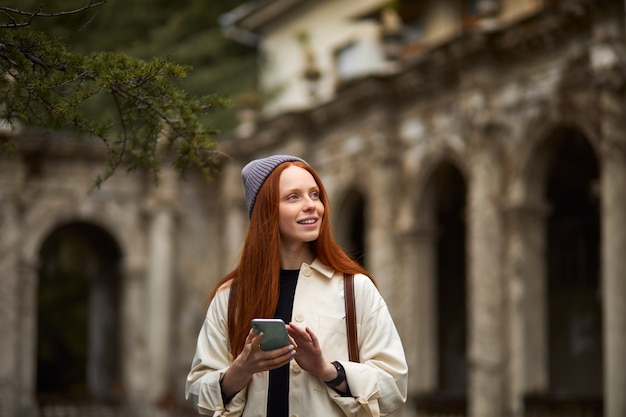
142,75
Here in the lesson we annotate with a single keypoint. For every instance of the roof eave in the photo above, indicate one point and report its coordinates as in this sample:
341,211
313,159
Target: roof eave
244,23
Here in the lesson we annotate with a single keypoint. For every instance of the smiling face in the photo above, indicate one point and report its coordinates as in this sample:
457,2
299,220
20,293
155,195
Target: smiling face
300,210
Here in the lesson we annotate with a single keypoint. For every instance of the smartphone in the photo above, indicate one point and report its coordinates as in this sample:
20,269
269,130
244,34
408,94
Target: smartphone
274,331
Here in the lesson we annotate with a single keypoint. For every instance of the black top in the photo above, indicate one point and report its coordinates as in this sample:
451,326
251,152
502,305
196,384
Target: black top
278,394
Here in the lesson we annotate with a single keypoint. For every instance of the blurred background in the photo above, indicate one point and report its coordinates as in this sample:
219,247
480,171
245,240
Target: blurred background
475,157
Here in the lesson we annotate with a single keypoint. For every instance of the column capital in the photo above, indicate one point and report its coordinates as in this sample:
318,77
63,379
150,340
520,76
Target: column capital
606,56
164,196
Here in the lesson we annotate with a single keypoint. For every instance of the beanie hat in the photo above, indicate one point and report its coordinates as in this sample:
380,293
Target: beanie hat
255,173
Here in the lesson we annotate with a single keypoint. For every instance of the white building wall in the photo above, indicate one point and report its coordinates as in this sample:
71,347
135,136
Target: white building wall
329,26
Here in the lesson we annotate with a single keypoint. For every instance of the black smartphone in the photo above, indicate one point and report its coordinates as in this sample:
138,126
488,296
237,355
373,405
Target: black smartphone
275,333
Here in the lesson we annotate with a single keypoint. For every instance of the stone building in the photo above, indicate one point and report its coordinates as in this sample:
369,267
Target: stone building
475,157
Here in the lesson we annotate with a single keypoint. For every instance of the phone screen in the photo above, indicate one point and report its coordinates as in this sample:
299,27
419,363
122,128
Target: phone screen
275,333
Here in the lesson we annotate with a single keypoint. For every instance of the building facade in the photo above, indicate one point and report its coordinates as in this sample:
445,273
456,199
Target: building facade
477,161
475,157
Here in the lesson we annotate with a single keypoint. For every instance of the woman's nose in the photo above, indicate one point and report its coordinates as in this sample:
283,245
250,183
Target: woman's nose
309,203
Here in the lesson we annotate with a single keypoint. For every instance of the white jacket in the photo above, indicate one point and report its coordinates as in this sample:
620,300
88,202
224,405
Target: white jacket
378,384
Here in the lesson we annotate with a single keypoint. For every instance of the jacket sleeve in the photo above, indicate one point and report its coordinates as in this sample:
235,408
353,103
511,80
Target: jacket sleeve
210,362
379,382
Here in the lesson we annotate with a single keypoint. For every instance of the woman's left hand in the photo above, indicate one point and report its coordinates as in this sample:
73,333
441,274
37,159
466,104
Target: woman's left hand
309,354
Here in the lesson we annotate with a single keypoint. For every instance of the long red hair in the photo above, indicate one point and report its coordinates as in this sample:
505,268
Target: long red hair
255,281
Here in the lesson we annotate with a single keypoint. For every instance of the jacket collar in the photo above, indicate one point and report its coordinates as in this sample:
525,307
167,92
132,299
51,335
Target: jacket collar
320,267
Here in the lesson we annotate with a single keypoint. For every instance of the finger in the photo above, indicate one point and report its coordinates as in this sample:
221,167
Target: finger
314,338
306,337
298,333
250,336
295,330
256,341
253,339
285,355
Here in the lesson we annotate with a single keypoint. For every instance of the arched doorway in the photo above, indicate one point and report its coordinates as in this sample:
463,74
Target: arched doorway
450,196
573,268
441,251
78,321
350,225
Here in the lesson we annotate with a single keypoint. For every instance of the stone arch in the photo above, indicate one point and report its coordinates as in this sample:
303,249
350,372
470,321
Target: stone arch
79,304
40,225
40,220
435,244
529,166
573,268
422,196
417,198
350,223
555,205
443,203
448,188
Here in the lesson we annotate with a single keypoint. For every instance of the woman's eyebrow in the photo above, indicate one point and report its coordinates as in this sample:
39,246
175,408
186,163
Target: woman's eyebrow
297,190
293,189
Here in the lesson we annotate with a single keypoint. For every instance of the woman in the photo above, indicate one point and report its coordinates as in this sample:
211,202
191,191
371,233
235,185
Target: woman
292,268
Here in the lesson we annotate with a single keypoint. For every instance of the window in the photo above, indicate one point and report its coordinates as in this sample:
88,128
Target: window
347,61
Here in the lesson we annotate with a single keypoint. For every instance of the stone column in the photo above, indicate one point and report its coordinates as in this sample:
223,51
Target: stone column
609,73
235,216
614,272
380,238
9,306
423,269
486,336
27,337
135,361
18,292
381,168
160,283
528,361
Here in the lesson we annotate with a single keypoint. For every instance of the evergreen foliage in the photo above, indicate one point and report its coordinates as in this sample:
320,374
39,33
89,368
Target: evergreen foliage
123,71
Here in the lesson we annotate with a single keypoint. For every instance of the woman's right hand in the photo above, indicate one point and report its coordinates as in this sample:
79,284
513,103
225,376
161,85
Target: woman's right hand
252,360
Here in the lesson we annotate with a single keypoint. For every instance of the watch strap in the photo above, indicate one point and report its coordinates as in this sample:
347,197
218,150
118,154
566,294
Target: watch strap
341,375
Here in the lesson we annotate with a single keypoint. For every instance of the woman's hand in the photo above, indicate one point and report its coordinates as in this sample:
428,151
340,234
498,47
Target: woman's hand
252,360
309,353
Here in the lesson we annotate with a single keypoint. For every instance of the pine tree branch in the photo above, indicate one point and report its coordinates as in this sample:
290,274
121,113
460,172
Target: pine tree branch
12,13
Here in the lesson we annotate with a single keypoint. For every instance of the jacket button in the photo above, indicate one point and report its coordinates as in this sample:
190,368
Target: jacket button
299,317
306,271
296,368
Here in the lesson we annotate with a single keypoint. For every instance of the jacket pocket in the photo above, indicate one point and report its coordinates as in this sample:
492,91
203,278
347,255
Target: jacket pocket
333,337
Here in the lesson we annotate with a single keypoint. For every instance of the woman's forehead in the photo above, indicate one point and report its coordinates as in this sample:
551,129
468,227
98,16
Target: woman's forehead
296,177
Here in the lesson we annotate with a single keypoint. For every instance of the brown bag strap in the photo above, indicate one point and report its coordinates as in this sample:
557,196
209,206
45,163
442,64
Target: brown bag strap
353,347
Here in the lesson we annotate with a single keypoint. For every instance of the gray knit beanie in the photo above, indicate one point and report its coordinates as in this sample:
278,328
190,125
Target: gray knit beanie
255,173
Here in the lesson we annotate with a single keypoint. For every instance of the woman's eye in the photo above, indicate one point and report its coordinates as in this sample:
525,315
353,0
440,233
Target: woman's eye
292,197
315,195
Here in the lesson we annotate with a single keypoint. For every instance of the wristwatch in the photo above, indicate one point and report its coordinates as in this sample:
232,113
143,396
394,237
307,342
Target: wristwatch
341,375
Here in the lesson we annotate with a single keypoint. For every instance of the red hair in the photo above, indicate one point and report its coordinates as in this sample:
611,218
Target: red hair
255,281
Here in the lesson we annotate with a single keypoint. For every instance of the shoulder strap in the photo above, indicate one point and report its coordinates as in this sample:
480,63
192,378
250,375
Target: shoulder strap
353,347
